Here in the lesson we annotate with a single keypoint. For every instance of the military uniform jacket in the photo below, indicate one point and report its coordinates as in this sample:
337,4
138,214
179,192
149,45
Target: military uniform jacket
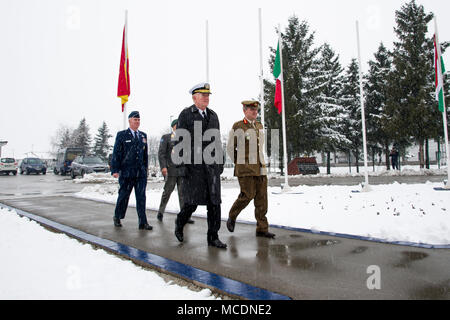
130,155
201,183
245,148
165,154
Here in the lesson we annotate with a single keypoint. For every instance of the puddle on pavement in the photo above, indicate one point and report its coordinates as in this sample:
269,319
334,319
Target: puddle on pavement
410,257
434,292
359,250
306,244
285,254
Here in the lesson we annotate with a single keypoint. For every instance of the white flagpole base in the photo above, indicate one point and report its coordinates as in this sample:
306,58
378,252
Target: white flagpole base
365,187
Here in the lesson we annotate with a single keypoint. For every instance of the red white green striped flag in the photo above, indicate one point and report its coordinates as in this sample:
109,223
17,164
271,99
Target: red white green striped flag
439,71
277,73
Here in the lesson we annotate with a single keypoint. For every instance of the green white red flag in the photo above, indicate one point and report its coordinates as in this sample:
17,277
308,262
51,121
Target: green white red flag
277,73
123,89
439,69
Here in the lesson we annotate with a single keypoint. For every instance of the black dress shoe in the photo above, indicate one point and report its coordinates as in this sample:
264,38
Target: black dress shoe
159,216
145,226
230,224
190,221
265,234
217,243
179,233
117,222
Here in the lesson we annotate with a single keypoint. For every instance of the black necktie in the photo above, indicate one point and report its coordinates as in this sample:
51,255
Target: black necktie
204,114
136,135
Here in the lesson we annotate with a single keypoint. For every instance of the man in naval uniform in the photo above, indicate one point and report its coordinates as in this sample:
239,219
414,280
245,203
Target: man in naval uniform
200,176
129,163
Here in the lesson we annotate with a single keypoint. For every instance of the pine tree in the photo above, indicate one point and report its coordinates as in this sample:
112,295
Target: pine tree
352,127
101,142
409,79
299,62
376,94
327,102
81,137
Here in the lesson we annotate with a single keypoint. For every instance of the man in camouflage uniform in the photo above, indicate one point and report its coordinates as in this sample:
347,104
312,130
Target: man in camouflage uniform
245,147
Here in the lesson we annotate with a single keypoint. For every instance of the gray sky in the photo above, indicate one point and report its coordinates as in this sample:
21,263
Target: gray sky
61,57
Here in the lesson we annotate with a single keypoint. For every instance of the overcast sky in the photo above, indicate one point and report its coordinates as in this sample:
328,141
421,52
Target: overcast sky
60,58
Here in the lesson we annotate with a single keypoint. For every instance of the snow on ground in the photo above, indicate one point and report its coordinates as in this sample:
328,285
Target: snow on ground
393,212
38,264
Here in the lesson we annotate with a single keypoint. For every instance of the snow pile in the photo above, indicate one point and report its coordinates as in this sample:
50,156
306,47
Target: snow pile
96,178
37,264
394,212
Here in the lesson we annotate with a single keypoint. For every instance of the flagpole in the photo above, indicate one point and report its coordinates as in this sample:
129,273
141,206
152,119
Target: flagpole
207,52
261,80
283,117
366,186
261,75
444,114
126,48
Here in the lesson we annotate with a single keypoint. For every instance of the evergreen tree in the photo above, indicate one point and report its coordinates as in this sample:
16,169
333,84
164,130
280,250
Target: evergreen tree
352,127
408,102
376,96
327,103
299,63
81,137
101,142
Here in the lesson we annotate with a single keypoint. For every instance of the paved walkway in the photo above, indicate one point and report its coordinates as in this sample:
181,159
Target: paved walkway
297,265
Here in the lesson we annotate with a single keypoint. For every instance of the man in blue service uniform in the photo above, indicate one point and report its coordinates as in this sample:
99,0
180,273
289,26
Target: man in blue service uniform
169,171
200,181
129,163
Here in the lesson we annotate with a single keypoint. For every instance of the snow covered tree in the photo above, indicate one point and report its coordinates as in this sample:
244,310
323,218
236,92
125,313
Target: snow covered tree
101,142
352,127
299,62
81,137
376,96
327,102
408,103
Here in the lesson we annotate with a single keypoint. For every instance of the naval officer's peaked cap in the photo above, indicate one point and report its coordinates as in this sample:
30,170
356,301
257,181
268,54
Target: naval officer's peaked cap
202,87
134,114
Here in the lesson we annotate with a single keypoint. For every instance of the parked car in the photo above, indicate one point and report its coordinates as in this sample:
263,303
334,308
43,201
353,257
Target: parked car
64,160
87,164
32,165
8,165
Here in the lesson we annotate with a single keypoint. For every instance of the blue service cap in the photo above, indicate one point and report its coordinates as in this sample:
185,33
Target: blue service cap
134,114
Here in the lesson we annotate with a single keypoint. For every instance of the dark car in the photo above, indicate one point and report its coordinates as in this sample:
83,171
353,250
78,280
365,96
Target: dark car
64,160
33,165
87,164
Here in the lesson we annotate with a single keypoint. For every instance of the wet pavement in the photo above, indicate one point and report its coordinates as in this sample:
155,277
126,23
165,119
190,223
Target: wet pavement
296,264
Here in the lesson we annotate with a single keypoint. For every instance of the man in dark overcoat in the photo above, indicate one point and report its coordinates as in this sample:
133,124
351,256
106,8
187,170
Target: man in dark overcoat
200,169
129,163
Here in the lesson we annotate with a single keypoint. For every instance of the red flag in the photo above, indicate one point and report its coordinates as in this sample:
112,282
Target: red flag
123,89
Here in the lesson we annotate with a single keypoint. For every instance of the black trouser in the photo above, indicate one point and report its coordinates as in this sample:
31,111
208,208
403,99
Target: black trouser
126,186
213,217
